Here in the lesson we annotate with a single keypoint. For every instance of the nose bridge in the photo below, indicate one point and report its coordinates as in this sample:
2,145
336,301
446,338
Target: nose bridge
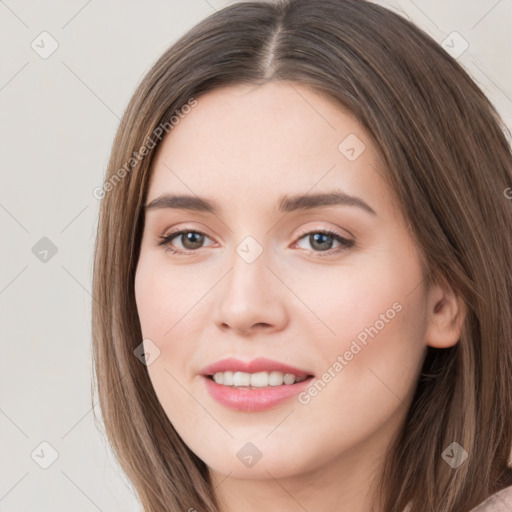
248,269
248,298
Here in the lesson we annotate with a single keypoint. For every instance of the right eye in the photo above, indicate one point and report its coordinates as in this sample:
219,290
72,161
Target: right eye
191,240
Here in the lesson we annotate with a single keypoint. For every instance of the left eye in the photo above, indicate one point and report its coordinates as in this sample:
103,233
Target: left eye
321,241
324,241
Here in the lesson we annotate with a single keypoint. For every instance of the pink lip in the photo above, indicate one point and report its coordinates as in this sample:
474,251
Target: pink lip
249,399
257,365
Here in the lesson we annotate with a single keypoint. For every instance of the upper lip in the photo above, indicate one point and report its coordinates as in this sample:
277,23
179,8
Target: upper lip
256,365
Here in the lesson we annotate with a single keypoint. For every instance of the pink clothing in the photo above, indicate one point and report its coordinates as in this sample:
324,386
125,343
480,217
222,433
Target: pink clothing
499,502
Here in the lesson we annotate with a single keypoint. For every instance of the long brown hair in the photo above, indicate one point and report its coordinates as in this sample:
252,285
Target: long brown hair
445,153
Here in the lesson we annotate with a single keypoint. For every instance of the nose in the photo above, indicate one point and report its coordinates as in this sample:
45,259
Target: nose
252,299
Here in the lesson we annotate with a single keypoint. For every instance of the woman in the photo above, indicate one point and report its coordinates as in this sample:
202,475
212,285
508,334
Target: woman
303,271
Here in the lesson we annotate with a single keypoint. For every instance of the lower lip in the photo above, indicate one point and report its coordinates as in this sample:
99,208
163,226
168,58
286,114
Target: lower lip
254,399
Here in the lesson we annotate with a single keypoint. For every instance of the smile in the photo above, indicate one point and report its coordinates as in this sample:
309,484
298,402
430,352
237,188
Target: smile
256,380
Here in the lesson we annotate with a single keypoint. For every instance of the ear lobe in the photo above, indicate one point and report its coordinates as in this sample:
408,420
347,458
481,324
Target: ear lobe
446,315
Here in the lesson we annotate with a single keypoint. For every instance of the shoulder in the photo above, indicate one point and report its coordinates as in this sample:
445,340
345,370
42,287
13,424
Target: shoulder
499,502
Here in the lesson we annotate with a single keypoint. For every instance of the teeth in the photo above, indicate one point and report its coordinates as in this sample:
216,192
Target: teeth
219,378
289,378
241,379
255,380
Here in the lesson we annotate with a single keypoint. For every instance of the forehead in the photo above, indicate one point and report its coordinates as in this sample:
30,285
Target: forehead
246,141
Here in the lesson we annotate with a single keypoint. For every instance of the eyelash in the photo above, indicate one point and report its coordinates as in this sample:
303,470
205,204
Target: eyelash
345,244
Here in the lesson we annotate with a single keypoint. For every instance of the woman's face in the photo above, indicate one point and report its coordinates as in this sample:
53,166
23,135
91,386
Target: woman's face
257,278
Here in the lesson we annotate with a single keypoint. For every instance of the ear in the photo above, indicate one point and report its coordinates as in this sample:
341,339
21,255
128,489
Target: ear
446,315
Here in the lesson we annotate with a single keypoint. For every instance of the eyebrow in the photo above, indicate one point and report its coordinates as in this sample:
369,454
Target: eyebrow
286,203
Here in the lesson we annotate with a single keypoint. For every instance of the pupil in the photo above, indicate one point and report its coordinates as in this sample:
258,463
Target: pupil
195,239
316,237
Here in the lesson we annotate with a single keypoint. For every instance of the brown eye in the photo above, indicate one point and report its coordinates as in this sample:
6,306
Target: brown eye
322,242
190,241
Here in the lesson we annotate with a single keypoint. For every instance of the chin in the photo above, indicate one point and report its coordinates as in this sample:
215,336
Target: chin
276,463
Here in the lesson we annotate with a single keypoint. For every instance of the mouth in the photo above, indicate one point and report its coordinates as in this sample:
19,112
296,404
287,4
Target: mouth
258,373
254,386
254,392
257,380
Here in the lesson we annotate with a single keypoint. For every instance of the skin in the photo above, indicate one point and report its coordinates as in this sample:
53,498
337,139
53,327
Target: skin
244,147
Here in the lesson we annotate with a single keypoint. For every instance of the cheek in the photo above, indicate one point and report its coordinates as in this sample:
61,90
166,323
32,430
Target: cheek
382,354
165,296
163,300
169,304
348,299
373,316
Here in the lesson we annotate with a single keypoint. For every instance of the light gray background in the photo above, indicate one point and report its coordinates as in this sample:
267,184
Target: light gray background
58,119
